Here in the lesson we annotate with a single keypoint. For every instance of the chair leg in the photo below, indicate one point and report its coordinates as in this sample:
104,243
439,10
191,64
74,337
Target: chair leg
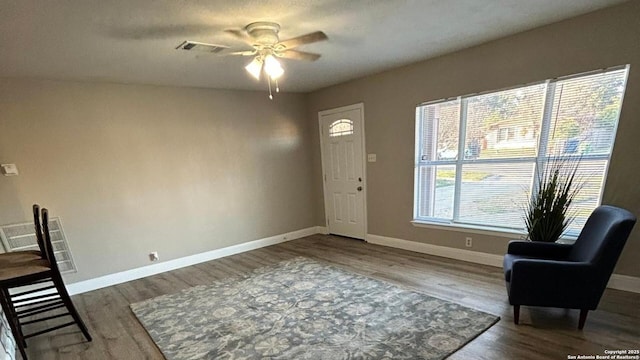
12,319
583,318
516,314
66,299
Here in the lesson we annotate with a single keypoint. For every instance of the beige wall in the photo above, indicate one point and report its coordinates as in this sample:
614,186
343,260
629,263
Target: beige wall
132,169
605,38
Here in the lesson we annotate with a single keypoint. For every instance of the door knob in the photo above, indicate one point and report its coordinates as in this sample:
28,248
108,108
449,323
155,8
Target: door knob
359,188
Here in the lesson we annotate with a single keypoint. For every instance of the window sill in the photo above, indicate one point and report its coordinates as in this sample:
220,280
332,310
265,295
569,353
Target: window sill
484,230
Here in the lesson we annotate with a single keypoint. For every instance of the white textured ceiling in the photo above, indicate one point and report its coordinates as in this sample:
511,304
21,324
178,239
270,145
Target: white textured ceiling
133,41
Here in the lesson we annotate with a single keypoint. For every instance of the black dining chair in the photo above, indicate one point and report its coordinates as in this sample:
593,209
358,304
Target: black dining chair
20,308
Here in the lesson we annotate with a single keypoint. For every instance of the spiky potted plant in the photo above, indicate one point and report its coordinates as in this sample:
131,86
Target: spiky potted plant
548,213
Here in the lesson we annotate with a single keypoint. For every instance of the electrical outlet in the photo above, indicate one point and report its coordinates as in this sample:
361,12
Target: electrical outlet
469,242
153,256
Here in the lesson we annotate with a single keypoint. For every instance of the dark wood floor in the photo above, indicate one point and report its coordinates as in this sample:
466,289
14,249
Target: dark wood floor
543,333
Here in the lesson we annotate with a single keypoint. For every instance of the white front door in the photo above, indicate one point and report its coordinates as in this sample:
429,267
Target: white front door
342,144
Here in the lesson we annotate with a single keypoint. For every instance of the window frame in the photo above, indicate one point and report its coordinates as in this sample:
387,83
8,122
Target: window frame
538,161
333,133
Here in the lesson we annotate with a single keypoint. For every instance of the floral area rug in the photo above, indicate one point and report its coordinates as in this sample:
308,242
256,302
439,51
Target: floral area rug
303,309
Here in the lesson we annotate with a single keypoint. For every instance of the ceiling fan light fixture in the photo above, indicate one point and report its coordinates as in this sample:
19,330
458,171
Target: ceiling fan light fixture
255,67
272,67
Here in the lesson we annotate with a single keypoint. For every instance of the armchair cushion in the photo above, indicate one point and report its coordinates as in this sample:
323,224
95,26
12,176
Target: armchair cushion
539,249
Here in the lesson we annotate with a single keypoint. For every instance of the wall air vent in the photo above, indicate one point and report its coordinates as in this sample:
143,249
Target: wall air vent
18,237
198,46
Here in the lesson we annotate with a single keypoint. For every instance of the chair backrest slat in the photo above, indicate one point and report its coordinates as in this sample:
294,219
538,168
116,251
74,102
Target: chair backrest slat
47,242
38,228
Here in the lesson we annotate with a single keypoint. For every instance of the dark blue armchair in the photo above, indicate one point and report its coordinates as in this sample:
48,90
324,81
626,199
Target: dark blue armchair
568,276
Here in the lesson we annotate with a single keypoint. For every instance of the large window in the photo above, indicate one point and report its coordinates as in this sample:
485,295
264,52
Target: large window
477,156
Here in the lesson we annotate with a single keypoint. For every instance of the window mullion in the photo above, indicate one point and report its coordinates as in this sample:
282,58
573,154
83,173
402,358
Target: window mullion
543,142
462,131
416,169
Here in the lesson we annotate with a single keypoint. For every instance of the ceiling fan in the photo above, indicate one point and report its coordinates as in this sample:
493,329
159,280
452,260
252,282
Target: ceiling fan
263,37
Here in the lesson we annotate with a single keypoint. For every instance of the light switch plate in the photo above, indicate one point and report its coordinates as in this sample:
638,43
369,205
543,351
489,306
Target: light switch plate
9,169
371,157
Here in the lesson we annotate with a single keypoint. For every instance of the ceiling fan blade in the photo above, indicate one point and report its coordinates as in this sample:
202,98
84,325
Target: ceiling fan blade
303,39
298,55
240,35
240,53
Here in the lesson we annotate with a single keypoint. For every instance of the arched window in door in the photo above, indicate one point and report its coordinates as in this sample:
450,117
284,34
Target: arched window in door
341,127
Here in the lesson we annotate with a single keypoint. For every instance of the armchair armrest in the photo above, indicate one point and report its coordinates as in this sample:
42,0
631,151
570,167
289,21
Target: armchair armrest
576,285
539,249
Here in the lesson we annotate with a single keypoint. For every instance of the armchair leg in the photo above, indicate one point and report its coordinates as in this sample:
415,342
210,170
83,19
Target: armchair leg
516,314
583,318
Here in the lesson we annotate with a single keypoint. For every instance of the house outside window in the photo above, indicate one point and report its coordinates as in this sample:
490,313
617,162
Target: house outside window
503,134
477,156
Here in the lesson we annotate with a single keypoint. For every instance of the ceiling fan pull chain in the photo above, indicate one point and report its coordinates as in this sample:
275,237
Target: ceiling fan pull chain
269,82
277,86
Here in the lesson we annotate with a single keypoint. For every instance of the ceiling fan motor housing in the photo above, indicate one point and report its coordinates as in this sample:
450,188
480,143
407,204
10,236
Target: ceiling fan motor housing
264,33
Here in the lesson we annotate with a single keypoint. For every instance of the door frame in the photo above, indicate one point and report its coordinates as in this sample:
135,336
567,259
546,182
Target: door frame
358,106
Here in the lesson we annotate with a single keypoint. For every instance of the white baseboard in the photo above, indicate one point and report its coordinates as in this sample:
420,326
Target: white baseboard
137,273
444,251
624,282
322,230
617,281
